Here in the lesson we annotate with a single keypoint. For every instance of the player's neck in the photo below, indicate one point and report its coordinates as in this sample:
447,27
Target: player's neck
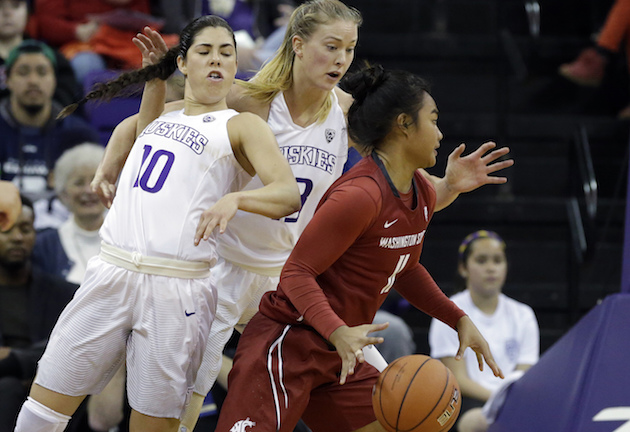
399,169
192,107
304,103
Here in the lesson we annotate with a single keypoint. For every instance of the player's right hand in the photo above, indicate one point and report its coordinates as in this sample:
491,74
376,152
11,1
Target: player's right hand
102,187
349,342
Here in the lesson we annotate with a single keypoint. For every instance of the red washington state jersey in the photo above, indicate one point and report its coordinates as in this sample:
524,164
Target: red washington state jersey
362,242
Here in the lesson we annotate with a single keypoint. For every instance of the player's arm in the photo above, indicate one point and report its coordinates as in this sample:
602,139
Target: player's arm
152,47
10,205
469,387
256,149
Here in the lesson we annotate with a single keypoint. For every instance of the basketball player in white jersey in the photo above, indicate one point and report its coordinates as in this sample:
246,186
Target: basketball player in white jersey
297,94
149,296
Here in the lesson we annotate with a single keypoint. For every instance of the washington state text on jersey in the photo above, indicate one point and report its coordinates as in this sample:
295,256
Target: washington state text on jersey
179,132
311,156
402,241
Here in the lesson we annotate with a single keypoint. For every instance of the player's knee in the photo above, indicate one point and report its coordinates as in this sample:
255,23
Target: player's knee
36,417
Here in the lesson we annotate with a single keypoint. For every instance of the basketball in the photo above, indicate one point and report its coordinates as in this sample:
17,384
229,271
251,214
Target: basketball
416,393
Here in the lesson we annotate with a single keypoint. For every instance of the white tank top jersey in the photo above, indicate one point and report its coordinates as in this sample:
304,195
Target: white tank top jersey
316,154
179,166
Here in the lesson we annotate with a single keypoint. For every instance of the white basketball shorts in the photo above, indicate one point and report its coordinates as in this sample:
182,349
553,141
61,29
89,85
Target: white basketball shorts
159,322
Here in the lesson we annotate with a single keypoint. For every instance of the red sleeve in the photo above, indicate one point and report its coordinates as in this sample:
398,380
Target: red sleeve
55,26
348,212
58,19
418,287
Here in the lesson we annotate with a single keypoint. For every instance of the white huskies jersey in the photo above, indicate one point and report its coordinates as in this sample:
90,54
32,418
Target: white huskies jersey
317,154
179,166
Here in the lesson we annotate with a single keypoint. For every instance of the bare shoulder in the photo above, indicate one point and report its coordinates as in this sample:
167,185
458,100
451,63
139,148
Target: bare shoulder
247,119
238,100
345,99
246,123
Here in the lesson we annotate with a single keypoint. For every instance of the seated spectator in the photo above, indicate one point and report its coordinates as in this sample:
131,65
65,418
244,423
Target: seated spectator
13,31
32,137
510,327
66,251
30,302
589,67
89,35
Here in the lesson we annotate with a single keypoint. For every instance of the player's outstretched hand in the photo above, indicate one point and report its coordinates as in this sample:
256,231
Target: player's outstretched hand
217,215
349,342
151,46
10,205
470,337
467,173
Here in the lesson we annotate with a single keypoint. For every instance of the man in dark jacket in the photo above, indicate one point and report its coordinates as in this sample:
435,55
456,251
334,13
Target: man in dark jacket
30,303
31,139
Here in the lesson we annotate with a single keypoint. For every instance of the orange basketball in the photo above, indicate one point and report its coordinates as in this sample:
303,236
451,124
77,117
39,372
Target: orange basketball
416,393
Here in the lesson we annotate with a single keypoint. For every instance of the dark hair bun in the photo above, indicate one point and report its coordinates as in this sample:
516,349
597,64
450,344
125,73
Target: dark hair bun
362,83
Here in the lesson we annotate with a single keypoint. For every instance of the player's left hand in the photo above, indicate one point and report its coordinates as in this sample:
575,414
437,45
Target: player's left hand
470,337
217,215
349,342
467,173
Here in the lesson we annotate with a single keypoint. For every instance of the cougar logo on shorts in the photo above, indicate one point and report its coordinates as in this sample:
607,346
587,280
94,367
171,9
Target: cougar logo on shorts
240,425
330,134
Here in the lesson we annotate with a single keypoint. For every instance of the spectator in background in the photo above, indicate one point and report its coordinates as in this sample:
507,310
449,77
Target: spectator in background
13,31
589,67
509,326
66,251
30,302
32,137
92,40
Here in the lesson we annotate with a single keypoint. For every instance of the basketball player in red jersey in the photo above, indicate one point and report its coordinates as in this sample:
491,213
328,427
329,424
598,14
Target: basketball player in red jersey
298,356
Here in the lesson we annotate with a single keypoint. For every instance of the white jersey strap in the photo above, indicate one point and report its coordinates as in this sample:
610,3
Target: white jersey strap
137,262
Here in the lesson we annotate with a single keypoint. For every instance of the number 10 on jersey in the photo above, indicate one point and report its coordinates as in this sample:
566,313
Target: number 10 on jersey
162,159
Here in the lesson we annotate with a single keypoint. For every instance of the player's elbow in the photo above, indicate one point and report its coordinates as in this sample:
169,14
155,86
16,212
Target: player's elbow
293,201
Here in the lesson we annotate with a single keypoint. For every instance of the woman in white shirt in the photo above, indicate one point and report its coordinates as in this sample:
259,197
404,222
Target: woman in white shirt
509,326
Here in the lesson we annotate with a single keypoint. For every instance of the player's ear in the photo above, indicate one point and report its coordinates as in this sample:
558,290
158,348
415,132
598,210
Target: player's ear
403,122
298,46
181,65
